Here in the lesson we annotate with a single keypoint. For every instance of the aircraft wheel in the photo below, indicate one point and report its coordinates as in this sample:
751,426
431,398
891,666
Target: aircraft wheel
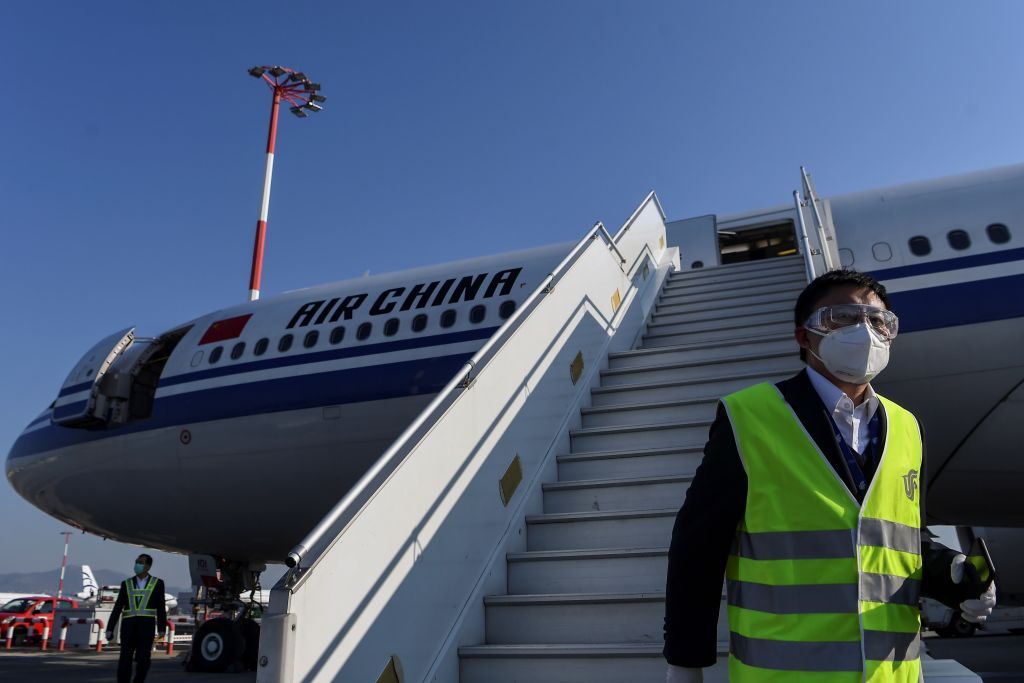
251,634
217,645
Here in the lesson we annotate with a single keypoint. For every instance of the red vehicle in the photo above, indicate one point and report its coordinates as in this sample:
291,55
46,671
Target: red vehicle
30,607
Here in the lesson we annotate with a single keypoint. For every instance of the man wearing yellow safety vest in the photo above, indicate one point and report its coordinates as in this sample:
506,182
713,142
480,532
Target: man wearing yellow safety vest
810,502
140,603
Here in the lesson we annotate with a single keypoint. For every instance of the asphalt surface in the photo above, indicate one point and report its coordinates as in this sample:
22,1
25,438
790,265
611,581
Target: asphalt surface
997,657
84,666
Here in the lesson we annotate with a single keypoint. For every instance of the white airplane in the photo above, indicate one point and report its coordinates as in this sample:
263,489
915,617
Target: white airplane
312,385
7,597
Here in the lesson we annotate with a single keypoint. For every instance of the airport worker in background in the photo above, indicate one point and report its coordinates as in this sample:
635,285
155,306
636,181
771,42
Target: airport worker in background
140,603
810,502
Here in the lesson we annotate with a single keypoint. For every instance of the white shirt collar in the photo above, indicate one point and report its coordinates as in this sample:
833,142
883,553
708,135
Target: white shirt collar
836,400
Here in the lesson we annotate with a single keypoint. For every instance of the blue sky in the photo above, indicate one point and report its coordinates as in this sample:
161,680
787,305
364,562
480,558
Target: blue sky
134,141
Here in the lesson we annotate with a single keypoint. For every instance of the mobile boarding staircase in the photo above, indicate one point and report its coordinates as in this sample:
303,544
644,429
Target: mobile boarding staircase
518,530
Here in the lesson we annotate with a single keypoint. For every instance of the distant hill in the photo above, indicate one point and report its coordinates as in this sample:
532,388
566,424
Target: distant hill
46,581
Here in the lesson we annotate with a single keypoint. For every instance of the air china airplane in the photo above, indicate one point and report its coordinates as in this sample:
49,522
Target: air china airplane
310,386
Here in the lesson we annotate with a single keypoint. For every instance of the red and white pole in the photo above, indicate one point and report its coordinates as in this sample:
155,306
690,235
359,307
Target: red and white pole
64,563
261,224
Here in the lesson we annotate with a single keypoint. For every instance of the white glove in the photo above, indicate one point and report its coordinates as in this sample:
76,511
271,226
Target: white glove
979,609
682,674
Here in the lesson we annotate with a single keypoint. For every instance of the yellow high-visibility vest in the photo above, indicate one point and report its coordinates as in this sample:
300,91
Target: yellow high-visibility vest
821,588
138,598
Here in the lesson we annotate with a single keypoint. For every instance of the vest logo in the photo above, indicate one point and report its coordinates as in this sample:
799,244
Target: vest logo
910,483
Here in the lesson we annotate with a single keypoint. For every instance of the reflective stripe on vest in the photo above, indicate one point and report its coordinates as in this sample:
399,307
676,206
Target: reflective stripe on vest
138,598
821,588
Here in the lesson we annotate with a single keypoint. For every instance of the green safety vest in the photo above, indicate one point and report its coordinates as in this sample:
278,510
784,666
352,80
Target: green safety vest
138,598
820,588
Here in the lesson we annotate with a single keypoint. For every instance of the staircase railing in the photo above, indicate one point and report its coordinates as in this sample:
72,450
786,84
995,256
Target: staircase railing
393,573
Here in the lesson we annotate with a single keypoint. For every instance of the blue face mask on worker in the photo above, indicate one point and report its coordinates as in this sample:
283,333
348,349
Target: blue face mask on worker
139,568
855,340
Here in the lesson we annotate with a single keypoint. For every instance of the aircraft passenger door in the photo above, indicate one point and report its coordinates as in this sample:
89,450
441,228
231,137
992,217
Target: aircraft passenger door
76,402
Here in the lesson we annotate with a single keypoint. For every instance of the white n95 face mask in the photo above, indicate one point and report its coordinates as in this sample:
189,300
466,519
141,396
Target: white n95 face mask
855,353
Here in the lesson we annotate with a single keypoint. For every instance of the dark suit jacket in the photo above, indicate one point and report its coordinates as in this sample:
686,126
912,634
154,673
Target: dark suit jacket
715,504
156,601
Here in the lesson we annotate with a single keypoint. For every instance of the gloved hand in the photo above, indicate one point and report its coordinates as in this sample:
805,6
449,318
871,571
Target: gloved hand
683,674
975,610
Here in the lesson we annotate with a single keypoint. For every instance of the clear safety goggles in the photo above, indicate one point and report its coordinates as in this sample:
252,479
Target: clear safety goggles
830,318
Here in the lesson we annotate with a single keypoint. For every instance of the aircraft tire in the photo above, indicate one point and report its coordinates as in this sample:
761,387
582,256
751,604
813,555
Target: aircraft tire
251,634
216,646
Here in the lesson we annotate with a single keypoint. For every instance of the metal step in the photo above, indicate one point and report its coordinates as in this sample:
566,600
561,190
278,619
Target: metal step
630,570
649,413
596,530
734,285
766,303
584,663
778,361
732,270
754,317
616,495
581,618
653,462
699,351
734,332
578,618
657,389
684,297
590,439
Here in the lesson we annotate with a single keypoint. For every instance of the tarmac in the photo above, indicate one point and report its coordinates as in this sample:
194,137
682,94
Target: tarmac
996,657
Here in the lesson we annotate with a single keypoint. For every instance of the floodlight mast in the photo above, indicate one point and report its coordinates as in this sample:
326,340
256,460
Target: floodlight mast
296,89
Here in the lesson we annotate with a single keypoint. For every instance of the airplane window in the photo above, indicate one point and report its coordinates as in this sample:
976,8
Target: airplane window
363,331
215,354
197,358
846,257
261,347
391,327
506,309
419,322
881,251
448,318
284,343
920,246
311,338
958,239
337,334
237,350
998,233
697,264
477,314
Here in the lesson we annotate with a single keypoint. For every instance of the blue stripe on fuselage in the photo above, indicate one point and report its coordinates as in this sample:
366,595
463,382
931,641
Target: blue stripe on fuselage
961,303
986,259
352,385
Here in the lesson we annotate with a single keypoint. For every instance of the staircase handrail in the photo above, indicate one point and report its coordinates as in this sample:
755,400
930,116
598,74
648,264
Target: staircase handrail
325,534
812,200
807,251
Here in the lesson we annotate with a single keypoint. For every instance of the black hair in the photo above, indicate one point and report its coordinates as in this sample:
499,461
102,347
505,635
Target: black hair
814,292
146,559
